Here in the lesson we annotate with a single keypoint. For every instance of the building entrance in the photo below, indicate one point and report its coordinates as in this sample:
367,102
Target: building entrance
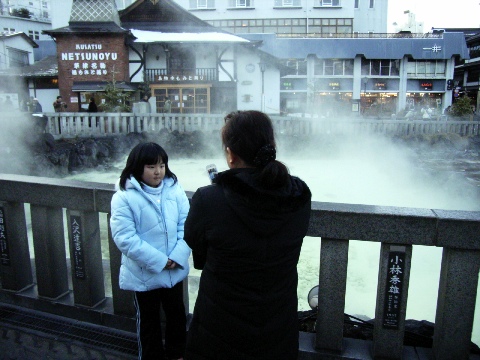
193,99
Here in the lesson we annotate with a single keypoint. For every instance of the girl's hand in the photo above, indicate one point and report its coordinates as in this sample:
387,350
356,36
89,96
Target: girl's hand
170,265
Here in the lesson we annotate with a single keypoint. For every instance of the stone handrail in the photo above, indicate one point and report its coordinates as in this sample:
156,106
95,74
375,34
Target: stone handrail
71,125
397,229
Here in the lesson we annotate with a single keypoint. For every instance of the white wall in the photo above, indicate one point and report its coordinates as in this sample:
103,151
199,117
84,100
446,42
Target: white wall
60,12
25,25
250,84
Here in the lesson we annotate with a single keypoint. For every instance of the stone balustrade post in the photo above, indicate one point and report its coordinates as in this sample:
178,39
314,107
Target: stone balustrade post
50,253
391,305
86,257
15,266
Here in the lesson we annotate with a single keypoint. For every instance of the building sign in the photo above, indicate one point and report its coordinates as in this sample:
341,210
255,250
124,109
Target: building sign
380,85
394,287
89,59
287,85
77,245
426,85
334,85
4,251
182,78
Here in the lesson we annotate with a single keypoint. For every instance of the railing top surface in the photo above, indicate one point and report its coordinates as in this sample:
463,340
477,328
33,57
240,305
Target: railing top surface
396,225
220,117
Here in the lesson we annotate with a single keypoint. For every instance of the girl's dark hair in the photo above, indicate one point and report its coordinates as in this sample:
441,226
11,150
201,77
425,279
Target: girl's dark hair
250,135
148,153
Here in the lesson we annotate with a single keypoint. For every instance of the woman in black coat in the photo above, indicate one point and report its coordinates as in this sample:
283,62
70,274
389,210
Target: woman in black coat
246,231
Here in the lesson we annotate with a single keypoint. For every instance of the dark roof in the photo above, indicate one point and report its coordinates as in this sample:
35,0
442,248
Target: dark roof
4,35
467,31
47,67
94,86
87,28
163,16
443,47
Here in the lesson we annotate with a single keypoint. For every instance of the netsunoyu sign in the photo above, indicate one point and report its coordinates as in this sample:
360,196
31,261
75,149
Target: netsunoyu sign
87,63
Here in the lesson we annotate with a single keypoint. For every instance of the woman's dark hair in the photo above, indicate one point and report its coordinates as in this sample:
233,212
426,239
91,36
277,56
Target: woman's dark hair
250,135
148,153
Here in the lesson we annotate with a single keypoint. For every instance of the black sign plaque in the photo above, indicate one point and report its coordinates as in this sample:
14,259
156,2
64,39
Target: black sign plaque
4,251
77,245
393,291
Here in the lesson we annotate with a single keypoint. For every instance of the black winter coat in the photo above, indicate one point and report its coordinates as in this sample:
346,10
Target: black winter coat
247,240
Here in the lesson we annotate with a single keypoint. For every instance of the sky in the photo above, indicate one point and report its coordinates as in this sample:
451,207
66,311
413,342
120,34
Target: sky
435,13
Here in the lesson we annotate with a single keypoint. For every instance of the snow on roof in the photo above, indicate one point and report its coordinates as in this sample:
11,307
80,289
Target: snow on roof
156,36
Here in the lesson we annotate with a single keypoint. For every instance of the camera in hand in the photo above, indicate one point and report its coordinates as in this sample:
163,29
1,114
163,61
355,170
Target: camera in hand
212,171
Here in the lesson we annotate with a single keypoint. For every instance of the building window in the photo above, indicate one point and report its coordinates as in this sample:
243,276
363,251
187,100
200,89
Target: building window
241,3
333,67
17,57
376,67
326,3
426,68
356,4
286,26
372,4
34,35
202,4
293,67
287,3
9,30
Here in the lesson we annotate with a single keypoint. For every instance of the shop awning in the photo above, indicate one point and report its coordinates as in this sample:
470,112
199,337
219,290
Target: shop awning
95,86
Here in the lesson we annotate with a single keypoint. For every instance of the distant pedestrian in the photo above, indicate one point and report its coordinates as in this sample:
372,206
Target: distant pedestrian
36,107
167,107
8,104
92,107
59,105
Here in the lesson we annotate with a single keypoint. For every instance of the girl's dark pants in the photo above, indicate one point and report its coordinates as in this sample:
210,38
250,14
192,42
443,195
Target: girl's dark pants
149,331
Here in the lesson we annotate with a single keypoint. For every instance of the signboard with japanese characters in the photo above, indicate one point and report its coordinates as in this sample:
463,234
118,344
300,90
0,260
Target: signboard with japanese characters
426,85
181,78
89,60
4,251
334,85
393,291
77,246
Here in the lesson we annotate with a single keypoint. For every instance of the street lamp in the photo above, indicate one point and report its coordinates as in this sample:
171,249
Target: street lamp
263,66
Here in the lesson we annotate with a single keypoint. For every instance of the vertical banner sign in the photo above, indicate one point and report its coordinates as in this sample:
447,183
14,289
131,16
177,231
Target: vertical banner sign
4,252
77,239
394,286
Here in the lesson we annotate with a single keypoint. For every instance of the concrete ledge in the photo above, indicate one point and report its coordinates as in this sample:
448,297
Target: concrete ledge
355,349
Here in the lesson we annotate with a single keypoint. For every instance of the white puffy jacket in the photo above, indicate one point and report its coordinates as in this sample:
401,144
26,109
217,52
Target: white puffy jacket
148,235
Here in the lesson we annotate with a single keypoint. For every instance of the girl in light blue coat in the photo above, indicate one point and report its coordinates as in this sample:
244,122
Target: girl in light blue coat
148,213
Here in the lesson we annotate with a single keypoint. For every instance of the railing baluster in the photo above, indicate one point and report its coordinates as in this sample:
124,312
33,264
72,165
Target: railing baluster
391,306
331,297
122,299
86,257
457,294
15,266
50,253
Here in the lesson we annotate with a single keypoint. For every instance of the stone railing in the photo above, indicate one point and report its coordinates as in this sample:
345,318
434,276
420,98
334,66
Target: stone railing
74,286
69,125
